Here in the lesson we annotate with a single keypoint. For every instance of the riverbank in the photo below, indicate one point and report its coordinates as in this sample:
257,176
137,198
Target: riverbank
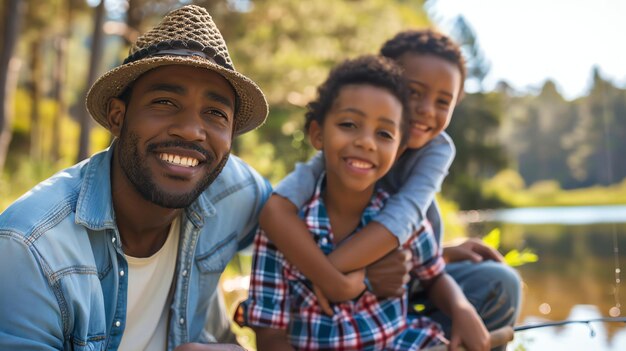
550,194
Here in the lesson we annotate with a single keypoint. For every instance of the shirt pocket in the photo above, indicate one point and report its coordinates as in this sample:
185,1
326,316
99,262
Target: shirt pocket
218,255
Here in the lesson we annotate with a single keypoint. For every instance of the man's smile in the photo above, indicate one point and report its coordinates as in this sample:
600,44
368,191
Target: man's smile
179,160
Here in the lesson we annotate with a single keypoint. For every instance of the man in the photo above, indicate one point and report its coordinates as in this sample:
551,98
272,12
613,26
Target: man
124,250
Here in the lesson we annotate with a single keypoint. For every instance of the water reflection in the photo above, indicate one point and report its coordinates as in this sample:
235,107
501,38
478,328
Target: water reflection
574,278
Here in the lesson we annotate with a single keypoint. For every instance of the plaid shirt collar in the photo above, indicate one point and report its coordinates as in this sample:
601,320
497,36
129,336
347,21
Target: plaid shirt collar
315,215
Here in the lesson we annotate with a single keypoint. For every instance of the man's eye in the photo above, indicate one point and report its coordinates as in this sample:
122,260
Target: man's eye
164,102
219,113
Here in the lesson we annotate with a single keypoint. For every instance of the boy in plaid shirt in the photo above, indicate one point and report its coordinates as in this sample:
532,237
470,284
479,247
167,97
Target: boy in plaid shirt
359,121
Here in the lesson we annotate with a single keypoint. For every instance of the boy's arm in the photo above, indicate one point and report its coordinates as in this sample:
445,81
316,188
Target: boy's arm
272,339
429,267
280,222
472,249
403,212
468,328
288,232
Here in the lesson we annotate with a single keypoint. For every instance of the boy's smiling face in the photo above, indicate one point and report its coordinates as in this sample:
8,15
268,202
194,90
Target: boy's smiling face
360,136
435,86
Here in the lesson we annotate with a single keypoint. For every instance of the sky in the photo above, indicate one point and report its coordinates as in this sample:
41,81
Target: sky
528,41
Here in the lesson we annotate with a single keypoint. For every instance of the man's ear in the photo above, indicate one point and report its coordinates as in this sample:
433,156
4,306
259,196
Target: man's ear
115,116
316,136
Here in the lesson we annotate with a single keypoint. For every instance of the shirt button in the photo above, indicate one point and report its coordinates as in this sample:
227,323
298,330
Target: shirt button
181,321
122,273
184,273
113,240
118,323
323,241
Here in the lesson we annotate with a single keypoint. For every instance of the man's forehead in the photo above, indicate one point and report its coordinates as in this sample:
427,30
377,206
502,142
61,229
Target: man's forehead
176,79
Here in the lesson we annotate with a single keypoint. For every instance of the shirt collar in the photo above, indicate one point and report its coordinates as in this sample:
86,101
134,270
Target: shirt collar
316,216
94,208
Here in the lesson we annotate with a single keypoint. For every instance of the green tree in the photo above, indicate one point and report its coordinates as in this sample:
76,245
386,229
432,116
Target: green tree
474,129
97,44
288,47
477,64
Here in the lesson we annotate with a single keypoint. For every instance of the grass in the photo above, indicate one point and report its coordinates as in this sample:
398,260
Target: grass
509,187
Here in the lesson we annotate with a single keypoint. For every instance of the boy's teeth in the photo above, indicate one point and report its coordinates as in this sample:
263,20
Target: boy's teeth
178,160
420,126
359,164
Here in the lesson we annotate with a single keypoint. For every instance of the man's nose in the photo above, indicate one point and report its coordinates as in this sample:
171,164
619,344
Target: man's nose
188,125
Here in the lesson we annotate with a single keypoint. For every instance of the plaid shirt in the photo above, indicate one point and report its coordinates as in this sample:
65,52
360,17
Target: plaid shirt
281,297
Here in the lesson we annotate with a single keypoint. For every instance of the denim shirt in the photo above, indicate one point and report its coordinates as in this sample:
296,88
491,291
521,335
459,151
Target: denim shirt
64,271
414,180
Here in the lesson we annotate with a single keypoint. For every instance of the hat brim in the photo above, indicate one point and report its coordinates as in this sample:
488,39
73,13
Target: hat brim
252,107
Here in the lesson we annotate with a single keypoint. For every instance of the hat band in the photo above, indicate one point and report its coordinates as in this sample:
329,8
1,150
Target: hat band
180,48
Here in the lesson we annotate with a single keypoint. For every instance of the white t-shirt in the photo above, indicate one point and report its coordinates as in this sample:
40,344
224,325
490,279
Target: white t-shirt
149,283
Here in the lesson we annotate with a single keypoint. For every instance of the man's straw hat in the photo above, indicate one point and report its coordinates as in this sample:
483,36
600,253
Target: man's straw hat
187,36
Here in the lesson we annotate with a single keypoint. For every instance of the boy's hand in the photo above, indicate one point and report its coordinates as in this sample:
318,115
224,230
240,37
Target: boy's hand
389,275
357,287
323,301
472,249
468,330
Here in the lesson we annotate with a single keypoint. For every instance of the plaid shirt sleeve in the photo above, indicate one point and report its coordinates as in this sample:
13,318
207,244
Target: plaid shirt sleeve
427,258
268,298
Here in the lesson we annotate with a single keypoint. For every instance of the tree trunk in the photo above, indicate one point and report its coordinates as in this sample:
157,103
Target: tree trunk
9,67
58,89
35,99
94,63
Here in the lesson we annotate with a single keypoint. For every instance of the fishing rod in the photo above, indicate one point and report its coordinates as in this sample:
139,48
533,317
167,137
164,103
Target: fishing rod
569,321
503,335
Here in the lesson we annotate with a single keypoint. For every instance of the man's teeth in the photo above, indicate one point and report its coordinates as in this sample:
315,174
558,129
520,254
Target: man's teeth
360,164
179,160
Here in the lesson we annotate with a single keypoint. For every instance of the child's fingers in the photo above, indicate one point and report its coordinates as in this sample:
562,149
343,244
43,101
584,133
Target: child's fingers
323,301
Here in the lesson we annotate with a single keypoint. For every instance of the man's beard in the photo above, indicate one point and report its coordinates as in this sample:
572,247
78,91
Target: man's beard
135,168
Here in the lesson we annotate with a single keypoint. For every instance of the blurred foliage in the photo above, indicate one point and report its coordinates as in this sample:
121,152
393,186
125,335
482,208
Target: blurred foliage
509,187
513,149
576,143
289,53
514,257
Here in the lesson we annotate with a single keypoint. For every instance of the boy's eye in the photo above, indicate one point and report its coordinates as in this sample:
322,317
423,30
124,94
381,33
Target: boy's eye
386,134
415,93
443,103
347,124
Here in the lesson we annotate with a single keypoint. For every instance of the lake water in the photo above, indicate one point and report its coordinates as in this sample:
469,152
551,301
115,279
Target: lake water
575,277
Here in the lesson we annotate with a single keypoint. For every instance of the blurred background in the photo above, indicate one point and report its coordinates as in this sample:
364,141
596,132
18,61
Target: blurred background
540,135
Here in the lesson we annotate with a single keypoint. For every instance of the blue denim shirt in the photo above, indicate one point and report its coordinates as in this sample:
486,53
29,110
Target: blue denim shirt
414,180
64,273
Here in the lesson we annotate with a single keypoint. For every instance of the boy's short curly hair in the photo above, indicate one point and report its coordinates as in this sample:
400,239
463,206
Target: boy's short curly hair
371,70
426,42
